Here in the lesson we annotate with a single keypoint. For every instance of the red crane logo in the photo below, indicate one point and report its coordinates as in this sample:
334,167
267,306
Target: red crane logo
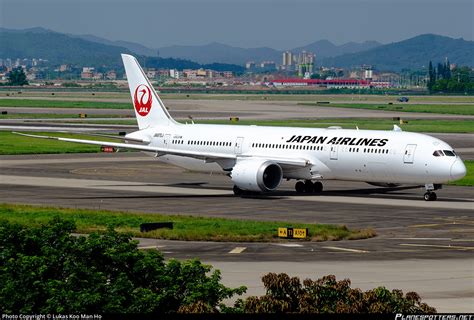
142,100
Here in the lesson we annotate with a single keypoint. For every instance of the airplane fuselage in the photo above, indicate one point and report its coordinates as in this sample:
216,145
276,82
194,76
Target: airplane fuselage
338,154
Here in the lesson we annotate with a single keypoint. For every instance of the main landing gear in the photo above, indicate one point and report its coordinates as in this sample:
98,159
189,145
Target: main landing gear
308,187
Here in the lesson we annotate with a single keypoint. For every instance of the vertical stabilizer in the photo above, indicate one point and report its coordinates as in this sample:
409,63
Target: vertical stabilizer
149,109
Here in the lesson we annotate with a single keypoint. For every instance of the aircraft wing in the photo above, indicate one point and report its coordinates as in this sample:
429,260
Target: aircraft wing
208,156
162,151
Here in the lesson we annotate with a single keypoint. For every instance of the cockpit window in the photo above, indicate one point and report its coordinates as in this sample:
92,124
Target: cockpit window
438,153
449,153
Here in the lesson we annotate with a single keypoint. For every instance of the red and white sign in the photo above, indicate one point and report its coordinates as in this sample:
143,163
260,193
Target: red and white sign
142,100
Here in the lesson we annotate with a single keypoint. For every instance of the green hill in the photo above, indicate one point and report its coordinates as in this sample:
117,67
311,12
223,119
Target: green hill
60,48
413,53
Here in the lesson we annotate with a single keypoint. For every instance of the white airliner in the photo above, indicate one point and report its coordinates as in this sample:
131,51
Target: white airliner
258,158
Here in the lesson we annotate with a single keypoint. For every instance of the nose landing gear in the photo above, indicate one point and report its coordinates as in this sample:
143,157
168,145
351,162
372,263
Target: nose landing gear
430,196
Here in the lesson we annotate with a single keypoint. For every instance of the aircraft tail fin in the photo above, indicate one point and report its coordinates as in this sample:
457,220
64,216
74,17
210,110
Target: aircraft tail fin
149,109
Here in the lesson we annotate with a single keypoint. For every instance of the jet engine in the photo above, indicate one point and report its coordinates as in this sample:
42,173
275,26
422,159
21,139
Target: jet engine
257,175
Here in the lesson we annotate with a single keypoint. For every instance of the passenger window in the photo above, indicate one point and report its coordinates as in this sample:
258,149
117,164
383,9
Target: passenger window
449,153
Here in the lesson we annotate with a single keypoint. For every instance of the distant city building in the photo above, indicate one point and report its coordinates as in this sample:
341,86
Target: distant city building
250,65
328,83
227,74
305,64
111,75
151,73
175,74
201,73
98,76
268,66
87,73
63,68
368,74
287,58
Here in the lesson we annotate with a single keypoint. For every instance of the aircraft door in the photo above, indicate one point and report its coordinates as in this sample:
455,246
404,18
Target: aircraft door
409,155
238,145
333,152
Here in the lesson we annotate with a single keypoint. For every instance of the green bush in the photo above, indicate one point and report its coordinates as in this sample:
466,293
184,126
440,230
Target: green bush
48,270
326,295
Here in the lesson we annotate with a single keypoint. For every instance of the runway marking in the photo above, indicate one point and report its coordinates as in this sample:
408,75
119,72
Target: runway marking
387,202
434,239
148,247
346,249
427,225
288,245
436,246
237,250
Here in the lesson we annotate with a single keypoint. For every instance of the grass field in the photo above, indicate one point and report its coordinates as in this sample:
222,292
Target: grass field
53,103
184,227
15,144
468,180
461,109
56,116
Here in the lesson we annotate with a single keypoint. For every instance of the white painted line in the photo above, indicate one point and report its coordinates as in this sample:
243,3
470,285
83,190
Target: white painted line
288,245
148,247
434,239
346,249
238,250
436,246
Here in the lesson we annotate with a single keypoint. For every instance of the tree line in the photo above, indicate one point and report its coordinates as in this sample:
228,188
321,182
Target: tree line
48,270
444,79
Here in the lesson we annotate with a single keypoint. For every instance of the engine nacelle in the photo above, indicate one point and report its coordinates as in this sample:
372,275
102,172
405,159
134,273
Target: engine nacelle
257,175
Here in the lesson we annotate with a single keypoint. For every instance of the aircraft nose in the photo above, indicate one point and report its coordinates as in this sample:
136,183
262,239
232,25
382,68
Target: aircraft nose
458,170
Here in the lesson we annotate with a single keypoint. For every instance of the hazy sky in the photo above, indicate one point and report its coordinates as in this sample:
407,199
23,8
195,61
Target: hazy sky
277,23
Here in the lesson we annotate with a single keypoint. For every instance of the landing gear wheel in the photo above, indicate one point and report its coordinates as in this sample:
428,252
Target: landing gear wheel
300,187
308,186
430,196
318,187
238,191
